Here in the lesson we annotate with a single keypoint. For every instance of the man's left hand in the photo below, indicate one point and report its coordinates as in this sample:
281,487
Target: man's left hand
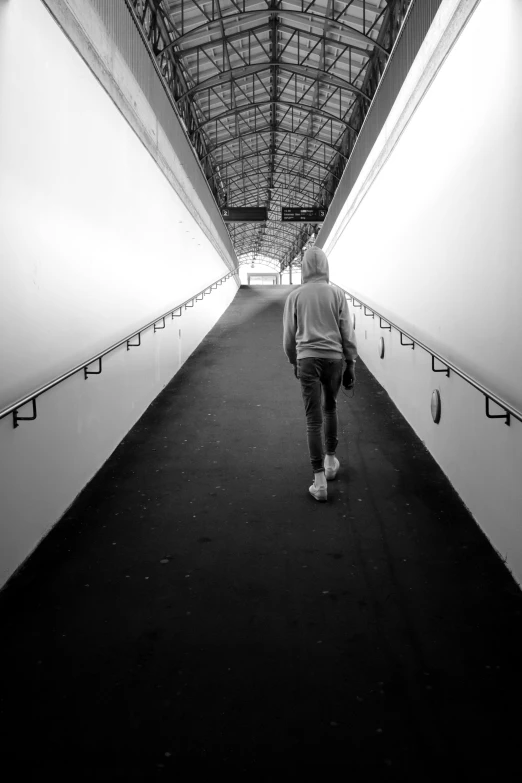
296,371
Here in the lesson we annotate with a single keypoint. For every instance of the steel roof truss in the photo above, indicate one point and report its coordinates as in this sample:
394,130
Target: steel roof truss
272,229
321,37
284,154
263,248
260,82
287,44
254,32
335,25
245,239
225,40
267,130
317,186
233,74
272,94
289,109
319,42
308,197
261,159
246,175
300,144
378,18
303,95
298,175
289,173
204,13
224,146
247,61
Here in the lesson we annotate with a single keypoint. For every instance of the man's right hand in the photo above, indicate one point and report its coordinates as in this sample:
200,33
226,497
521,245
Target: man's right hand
349,376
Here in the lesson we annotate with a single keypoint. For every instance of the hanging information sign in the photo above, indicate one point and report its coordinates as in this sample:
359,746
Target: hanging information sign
244,214
303,214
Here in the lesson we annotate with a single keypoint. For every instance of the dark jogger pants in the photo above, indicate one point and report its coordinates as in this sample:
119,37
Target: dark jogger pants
316,376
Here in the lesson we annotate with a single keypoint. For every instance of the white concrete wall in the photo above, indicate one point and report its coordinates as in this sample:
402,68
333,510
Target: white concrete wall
434,242
94,243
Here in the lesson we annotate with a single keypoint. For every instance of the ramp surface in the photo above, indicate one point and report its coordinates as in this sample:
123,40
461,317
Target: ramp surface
196,611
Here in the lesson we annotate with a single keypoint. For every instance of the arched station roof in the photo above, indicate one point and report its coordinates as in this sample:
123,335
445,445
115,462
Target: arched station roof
272,94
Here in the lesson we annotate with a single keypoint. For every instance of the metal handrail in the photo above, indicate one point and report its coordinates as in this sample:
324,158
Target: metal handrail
489,395
175,312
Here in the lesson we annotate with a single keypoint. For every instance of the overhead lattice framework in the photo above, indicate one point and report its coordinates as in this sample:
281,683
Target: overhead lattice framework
273,94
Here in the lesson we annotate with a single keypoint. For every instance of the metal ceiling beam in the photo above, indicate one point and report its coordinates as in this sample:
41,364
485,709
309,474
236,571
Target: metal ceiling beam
228,163
230,75
286,104
303,17
319,43
254,31
280,196
274,227
324,133
241,243
280,173
264,255
248,239
278,247
278,188
269,251
274,77
266,129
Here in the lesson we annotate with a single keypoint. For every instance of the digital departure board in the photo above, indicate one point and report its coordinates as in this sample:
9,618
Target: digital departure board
303,214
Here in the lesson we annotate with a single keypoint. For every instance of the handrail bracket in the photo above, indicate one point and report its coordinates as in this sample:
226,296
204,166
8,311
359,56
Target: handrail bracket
17,418
156,327
383,327
407,344
443,369
134,345
87,372
506,415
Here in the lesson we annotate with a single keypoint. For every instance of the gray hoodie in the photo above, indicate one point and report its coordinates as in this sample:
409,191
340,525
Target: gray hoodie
316,320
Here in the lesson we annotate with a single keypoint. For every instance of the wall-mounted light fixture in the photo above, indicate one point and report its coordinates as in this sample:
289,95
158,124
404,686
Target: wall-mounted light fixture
381,347
436,408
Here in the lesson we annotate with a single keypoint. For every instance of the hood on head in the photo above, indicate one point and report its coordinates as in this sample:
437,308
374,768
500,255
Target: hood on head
315,265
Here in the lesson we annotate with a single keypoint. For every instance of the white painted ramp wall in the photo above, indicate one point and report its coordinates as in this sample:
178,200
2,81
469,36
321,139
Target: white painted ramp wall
94,243
431,237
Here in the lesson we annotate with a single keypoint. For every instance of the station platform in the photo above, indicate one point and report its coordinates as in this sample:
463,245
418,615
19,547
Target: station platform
196,611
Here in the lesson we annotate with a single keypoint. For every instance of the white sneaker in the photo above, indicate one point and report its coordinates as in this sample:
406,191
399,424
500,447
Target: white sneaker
320,493
331,473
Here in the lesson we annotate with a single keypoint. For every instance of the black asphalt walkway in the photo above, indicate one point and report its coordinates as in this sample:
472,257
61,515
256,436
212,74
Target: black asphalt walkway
197,612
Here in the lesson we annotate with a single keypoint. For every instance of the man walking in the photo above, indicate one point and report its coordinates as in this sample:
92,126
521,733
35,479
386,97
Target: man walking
317,333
